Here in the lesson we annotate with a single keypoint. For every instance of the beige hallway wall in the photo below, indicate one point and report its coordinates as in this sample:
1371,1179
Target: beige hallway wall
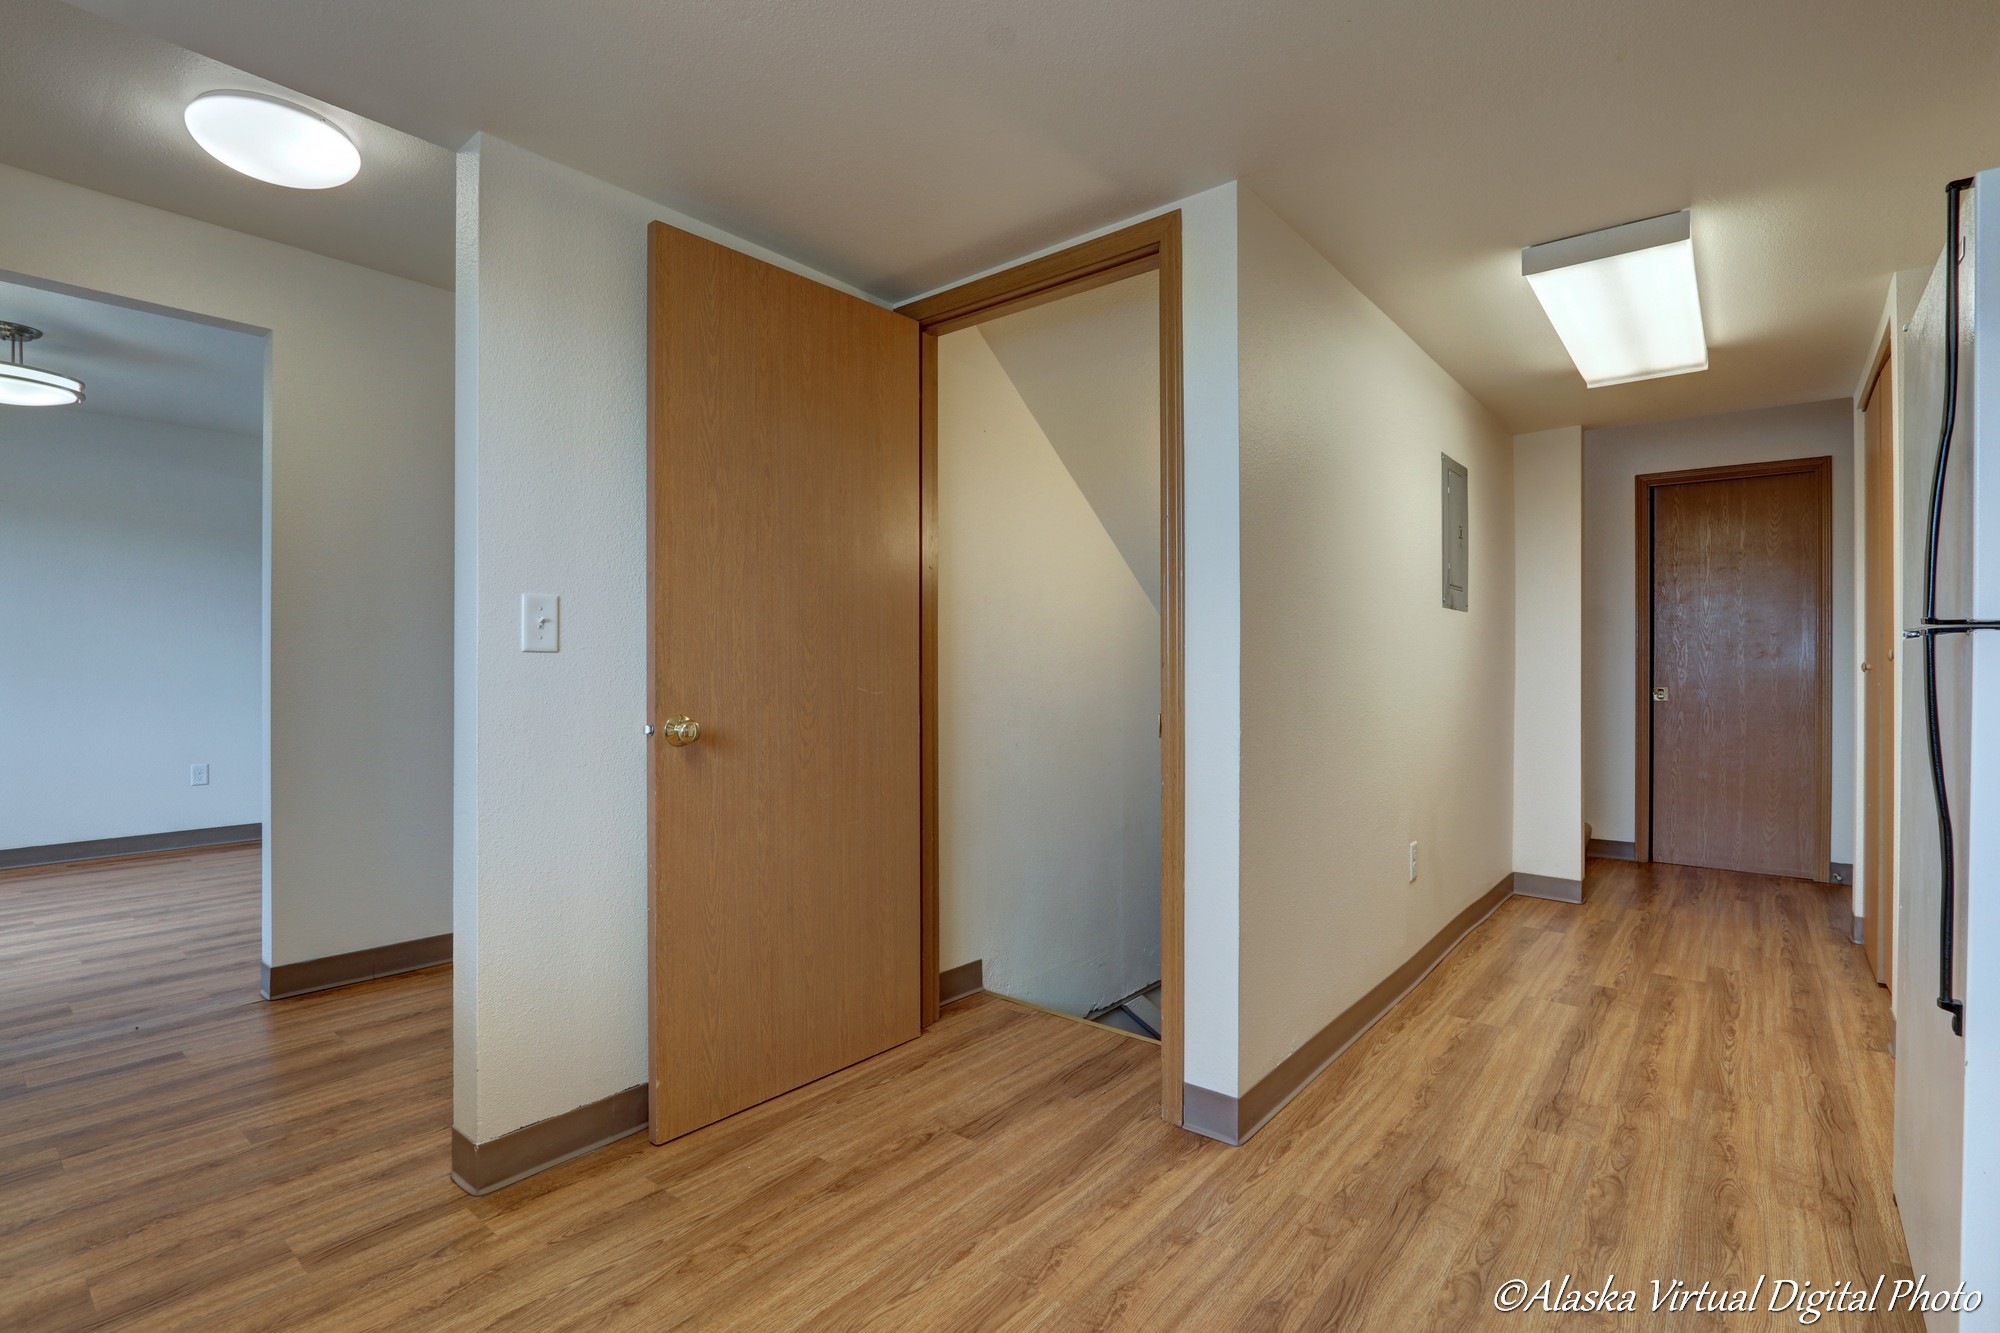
1372,716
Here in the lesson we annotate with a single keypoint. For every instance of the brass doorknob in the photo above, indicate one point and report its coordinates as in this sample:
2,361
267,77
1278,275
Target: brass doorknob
681,730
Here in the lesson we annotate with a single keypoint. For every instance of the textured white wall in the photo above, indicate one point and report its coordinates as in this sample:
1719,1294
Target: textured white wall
1048,703
357,595
1548,653
1372,716
132,555
1612,458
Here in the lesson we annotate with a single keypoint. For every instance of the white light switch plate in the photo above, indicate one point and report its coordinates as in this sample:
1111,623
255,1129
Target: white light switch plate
541,622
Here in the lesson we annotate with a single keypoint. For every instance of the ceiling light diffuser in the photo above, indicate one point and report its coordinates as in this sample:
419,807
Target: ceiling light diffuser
23,385
1623,300
272,140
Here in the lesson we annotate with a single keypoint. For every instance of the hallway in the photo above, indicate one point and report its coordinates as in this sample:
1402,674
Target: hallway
1686,1077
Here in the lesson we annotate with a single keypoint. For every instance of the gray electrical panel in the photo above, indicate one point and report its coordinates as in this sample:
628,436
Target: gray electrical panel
1454,534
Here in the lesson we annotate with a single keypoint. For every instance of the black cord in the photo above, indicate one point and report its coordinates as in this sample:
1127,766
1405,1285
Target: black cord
1948,906
1932,626
1950,421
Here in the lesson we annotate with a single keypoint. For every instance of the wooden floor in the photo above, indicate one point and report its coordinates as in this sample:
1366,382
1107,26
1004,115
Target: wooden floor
1685,1077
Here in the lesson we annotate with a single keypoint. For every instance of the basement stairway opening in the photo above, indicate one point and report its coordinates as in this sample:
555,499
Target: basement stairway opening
1137,1013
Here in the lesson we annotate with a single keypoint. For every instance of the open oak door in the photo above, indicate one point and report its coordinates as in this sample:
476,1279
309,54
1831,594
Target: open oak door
783,497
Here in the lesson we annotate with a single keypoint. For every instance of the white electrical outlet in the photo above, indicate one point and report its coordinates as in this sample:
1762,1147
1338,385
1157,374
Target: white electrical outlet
197,775
1413,863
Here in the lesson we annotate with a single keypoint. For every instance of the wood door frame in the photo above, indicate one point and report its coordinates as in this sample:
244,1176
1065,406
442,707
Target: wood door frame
1153,245
1644,485
1875,851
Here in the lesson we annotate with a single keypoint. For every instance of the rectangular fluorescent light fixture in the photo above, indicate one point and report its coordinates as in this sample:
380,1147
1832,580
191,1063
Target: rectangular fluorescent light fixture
1623,300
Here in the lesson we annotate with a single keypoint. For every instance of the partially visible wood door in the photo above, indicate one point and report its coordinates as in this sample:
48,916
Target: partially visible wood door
783,498
1739,700
1878,682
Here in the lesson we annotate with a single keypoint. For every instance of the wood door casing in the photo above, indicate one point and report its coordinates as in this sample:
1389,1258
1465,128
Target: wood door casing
1740,611
784,580
1153,244
1879,640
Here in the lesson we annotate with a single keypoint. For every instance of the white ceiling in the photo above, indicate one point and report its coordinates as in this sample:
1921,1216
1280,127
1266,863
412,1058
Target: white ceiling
90,102
901,144
141,363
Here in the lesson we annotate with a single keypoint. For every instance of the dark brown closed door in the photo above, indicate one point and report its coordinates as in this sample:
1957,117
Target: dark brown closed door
1740,777
784,494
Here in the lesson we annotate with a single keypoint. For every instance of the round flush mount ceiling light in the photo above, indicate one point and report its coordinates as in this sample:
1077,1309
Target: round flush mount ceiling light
272,140
23,385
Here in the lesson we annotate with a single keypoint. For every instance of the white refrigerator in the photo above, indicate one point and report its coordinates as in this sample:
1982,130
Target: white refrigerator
1948,943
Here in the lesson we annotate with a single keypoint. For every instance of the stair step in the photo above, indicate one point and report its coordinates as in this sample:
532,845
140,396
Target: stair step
1146,1012
1117,1017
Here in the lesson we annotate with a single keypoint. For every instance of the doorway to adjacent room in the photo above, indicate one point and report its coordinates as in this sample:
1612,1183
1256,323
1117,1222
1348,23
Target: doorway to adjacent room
1735,634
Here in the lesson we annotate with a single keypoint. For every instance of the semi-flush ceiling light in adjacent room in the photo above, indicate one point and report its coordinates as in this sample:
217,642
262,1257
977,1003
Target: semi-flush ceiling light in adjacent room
1623,300
272,140
23,385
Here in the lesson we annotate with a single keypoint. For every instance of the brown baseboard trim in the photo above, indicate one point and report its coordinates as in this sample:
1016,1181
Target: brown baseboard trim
344,969
955,983
1551,887
1611,851
99,849
1234,1119
481,1168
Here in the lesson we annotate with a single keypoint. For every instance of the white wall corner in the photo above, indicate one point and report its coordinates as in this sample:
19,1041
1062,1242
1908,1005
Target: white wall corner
465,656
1214,636
1548,653
1856,650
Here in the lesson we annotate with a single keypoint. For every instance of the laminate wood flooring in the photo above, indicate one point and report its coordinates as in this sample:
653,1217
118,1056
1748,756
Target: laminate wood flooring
1686,1077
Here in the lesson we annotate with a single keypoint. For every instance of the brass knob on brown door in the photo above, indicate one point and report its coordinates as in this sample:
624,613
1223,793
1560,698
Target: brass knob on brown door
1864,666
1659,694
681,730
